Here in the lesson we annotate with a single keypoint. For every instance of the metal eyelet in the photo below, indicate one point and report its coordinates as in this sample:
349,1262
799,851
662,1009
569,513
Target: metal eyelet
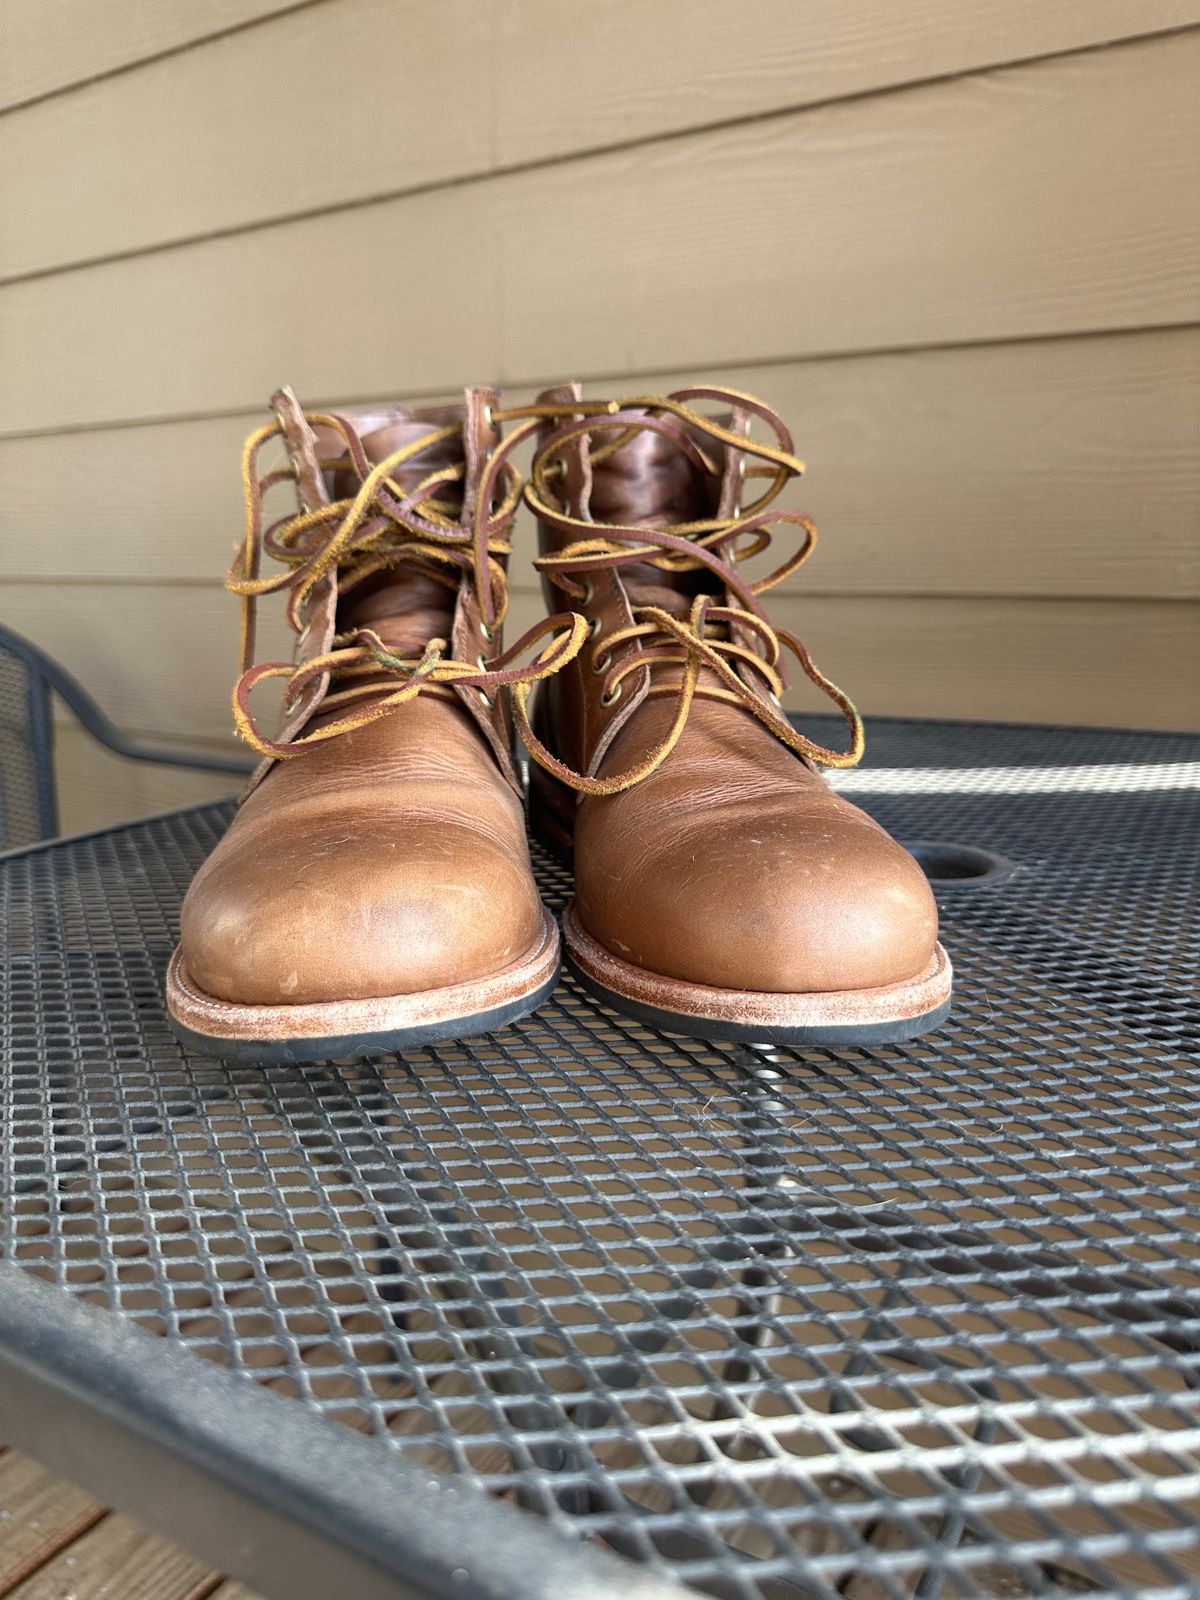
595,628
481,663
486,698
611,699
602,663
589,592
486,633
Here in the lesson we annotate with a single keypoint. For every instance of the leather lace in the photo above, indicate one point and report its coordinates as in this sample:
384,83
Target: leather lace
732,640
384,526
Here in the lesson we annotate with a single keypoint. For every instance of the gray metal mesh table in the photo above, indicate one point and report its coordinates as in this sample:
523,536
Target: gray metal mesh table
772,1323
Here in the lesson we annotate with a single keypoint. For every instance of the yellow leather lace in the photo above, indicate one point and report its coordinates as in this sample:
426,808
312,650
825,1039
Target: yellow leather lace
750,668
384,525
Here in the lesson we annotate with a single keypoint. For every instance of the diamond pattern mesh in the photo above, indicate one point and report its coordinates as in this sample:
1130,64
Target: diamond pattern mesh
913,1321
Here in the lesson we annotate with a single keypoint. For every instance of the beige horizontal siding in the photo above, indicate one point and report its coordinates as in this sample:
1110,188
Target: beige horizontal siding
1054,468
675,64
48,45
161,659
97,789
1050,198
189,145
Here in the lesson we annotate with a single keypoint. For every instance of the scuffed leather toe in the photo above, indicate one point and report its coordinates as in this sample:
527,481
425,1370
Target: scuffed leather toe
374,916
327,888
769,883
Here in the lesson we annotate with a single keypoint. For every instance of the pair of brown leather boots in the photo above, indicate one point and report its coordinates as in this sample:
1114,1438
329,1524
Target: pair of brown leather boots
374,890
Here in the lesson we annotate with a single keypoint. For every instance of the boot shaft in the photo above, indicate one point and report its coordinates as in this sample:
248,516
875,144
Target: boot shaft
643,528
405,605
412,576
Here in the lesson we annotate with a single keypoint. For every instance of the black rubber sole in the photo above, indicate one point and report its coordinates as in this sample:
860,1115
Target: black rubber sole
842,1038
300,1052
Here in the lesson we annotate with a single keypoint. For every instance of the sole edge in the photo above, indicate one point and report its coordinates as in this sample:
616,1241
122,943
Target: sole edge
890,1015
280,1034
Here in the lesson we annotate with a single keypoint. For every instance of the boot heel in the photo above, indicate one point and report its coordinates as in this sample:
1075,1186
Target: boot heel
552,815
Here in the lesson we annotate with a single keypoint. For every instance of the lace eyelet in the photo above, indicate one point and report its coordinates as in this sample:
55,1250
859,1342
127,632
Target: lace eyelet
611,699
481,663
486,633
595,628
602,663
589,592
485,698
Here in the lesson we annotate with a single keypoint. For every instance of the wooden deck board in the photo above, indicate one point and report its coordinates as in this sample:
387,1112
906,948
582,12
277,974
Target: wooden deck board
40,1515
117,1560
57,1543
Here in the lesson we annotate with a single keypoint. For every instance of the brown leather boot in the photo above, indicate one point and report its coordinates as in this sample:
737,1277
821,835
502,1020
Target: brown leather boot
374,890
722,888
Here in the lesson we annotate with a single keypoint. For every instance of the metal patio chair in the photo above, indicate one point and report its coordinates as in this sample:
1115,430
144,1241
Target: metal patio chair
29,680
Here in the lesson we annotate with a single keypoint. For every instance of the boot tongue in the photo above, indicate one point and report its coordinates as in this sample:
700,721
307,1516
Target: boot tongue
405,607
382,434
650,481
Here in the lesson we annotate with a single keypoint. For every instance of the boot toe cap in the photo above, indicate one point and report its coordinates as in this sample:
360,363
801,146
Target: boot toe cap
353,914
782,904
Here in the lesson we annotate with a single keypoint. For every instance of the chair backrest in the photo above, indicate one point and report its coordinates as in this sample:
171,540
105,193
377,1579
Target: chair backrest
29,680
28,799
